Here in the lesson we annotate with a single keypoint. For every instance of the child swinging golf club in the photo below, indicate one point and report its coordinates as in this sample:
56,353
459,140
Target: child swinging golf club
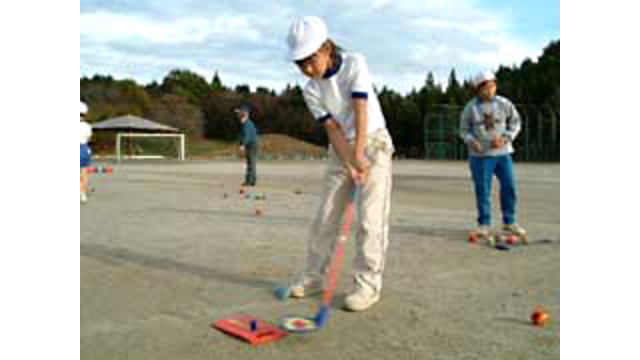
340,96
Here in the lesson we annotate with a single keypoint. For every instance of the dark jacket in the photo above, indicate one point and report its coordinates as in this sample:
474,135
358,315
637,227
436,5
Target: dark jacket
248,133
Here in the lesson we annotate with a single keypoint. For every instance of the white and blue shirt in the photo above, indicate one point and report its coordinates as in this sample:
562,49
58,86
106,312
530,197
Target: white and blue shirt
332,96
85,132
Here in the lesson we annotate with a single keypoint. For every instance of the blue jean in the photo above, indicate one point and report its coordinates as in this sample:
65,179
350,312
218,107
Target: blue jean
482,170
251,175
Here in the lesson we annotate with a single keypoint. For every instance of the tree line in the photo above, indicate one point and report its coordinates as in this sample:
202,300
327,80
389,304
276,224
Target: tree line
204,109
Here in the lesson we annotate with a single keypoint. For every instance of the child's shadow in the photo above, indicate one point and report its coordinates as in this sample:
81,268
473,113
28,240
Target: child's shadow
126,256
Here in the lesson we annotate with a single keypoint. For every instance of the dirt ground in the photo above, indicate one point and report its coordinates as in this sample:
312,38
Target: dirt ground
167,248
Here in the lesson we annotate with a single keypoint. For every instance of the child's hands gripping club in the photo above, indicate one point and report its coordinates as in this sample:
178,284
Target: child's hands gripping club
359,170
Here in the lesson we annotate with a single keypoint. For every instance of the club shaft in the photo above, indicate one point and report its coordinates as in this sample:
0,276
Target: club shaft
334,268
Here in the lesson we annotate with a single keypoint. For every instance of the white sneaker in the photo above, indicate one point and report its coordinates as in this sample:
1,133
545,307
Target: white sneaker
361,299
83,197
484,233
306,286
516,230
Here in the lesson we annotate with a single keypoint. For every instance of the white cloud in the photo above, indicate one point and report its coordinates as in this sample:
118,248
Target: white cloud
244,39
471,44
380,3
508,51
472,27
105,27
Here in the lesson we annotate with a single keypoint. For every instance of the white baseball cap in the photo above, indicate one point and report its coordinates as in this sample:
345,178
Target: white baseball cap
483,77
83,108
306,36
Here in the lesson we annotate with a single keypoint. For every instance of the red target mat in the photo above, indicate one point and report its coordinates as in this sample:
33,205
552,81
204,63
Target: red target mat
250,329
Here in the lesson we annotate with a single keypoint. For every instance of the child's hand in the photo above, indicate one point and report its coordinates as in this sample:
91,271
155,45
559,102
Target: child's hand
361,163
359,177
476,146
360,170
497,142
241,148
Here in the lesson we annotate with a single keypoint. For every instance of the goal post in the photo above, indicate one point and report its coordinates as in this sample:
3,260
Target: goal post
122,137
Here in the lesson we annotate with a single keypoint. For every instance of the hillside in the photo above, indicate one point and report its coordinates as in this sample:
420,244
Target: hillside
271,146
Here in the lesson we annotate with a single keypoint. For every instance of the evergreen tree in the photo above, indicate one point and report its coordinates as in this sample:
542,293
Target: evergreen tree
216,83
187,84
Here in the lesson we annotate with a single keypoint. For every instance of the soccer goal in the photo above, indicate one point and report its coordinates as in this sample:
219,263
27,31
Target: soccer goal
149,146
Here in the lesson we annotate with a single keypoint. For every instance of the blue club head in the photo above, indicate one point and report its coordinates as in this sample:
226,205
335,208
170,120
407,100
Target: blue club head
282,292
322,317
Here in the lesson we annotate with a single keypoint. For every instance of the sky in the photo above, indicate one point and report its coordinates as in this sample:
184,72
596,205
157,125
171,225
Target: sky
245,40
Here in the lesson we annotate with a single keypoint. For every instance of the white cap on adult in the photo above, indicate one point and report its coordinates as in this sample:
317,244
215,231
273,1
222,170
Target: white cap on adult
306,36
83,108
483,77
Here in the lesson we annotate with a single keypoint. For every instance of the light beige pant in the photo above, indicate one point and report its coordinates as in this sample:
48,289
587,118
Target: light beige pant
371,224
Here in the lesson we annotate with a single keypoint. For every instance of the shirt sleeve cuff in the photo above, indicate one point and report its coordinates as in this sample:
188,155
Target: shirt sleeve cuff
323,118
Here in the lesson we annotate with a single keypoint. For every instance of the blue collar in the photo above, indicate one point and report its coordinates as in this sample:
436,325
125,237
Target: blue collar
329,73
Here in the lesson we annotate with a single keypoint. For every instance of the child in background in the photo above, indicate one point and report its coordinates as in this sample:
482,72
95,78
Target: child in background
488,125
85,152
340,96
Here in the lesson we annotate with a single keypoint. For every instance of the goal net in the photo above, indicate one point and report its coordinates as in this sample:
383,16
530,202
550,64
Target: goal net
150,146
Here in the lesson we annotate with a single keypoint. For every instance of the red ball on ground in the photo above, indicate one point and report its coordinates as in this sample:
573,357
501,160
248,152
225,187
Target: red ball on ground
300,324
540,317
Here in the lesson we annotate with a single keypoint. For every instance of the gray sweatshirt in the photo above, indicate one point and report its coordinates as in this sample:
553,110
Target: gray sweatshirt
482,121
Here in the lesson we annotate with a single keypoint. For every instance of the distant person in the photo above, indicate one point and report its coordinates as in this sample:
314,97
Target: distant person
340,97
489,125
85,152
248,144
